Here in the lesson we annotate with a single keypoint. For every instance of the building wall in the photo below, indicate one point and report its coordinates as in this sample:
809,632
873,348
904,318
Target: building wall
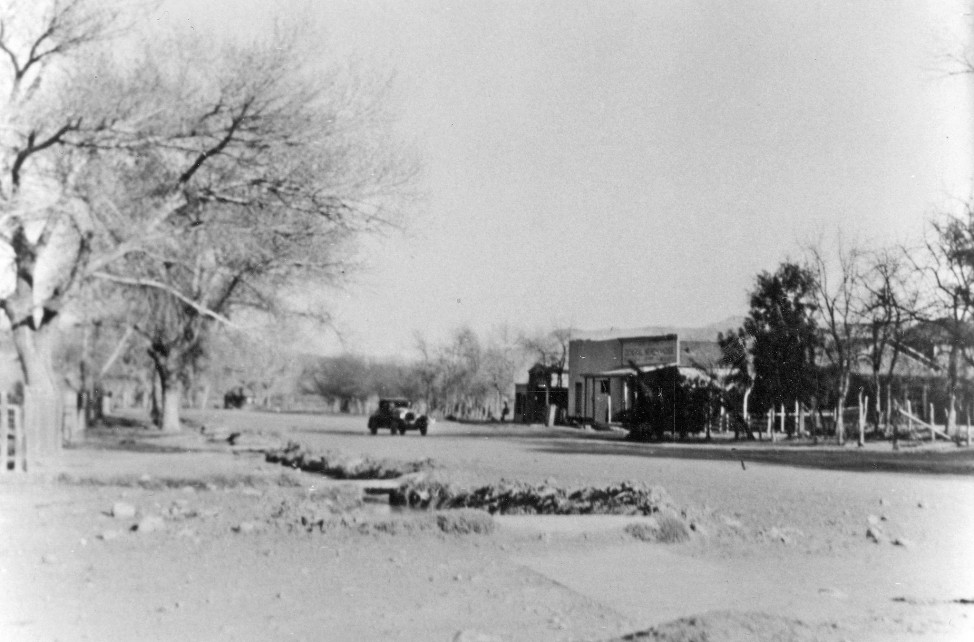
586,395
590,357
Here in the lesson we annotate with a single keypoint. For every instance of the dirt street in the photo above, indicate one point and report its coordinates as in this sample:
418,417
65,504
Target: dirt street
160,538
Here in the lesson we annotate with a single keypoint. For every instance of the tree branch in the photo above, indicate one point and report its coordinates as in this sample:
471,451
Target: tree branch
163,287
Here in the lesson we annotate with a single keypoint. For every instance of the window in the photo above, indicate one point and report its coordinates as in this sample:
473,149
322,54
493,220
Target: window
604,386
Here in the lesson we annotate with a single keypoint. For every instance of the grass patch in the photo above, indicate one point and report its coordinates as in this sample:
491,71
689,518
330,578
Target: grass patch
666,527
466,521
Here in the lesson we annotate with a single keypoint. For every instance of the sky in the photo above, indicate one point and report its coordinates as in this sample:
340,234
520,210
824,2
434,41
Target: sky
625,164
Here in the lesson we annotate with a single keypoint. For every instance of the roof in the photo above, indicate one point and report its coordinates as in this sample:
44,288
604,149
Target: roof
686,371
702,333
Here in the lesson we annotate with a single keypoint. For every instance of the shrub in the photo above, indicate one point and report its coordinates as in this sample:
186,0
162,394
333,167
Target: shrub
465,521
665,527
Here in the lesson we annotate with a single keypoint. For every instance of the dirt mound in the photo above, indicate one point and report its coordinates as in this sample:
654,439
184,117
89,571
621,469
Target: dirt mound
724,626
517,498
342,466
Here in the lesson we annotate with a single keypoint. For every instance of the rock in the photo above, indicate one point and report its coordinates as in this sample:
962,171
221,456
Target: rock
123,510
731,522
921,504
902,541
876,535
780,535
150,523
245,527
883,502
109,535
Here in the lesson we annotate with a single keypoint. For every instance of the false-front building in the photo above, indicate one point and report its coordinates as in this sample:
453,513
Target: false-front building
601,372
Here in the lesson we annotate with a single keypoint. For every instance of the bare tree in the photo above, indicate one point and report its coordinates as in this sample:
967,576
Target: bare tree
39,240
500,364
891,299
214,180
838,290
946,302
550,349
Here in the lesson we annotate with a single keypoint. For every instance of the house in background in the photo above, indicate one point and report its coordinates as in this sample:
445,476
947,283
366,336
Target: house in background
546,387
601,375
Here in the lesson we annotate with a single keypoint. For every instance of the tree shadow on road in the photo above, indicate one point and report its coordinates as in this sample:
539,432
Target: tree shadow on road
850,458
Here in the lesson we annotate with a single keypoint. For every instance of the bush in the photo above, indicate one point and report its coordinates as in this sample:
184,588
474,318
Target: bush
515,498
466,521
342,466
665,528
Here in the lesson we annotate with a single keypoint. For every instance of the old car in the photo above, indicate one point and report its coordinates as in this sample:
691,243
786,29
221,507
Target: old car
398,416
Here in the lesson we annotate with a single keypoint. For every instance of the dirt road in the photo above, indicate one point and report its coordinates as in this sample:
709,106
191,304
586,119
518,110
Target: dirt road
780,551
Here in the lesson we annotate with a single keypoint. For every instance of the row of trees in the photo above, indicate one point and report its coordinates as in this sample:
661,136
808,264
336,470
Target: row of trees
162,196
814,323
466,376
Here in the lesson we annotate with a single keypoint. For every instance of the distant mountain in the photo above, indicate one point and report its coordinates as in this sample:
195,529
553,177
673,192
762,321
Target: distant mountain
703,333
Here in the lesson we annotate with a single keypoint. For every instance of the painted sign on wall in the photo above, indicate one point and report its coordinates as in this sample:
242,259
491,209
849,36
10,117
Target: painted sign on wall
650,351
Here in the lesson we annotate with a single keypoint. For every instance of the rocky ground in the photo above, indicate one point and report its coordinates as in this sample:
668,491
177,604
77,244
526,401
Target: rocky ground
137,536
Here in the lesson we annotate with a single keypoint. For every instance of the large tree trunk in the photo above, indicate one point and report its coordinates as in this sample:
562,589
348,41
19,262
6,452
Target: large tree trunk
168,389
170,402
33,339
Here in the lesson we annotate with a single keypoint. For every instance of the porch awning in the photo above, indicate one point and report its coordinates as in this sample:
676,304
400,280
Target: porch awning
686,371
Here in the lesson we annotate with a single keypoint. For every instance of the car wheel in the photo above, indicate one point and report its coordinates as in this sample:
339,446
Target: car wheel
402,429
422,430
392,428
372,427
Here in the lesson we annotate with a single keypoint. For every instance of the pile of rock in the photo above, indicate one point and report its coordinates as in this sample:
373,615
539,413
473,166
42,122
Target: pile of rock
341,466
517,498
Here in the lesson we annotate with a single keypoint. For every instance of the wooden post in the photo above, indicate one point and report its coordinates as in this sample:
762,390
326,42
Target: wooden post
909,412
933,425
878,407
863,404
4,433
781,420
801,421
771,423
889,403
968,426
20,442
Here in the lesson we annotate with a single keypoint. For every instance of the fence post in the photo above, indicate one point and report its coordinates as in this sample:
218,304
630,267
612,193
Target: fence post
862,423
770,423
781,420
933,425
968,426
20,440
4,433
801,421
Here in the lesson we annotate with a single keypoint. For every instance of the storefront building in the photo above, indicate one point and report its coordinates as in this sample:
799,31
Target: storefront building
601,372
